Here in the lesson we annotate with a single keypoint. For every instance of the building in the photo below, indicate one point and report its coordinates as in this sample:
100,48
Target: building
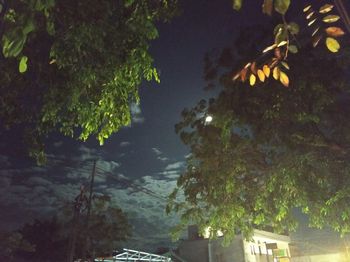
312,245
263,247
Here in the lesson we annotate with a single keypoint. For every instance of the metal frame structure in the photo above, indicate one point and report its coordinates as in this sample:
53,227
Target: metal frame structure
133,255
136,256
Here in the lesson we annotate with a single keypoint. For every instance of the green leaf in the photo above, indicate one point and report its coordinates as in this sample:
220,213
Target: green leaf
23,64
50,27
281,35
13,44
41,5
293,28
281,6
237,4
332,44
29,26
293,49
277,28
128,3
267,7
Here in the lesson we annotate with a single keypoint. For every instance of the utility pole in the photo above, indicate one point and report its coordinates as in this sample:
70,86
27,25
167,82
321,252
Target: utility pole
88,238
79,202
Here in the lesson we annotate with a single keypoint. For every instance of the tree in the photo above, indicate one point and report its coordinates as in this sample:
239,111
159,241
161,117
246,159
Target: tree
49,238
75,66
11,243
268,149
107,227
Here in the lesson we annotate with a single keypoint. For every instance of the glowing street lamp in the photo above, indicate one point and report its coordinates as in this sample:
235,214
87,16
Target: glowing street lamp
208,119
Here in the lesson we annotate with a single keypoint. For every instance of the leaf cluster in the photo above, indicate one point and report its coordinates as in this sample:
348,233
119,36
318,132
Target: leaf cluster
286,42
76,66
268,151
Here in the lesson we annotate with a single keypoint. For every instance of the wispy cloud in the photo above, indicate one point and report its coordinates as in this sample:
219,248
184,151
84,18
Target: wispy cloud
136,114
159,154
176,165
58,144
124,144
156,151
163,159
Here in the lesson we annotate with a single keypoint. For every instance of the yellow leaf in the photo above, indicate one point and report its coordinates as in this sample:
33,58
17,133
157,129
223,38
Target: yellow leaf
276,73
284,79
269,48
310,15
307,8
316,39
315,31
285,65
282,43
236,76
252,79
261,75
332,44
266,70
326,8
247,65
331,18
312,21
335,31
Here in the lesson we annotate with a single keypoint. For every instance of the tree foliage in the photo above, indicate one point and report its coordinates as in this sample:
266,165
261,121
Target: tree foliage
11,243
268,149
319,19
108,227
75,66
49,239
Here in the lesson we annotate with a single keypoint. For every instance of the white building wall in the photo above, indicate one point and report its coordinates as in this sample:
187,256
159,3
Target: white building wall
338,257
256,251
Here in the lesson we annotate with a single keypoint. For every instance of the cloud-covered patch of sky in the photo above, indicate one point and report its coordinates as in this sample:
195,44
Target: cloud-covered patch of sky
147,211
159,154
136,114
176,165
4,161
124,144
58,144
39,192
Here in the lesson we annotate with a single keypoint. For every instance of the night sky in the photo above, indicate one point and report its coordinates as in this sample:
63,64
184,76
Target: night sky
147,153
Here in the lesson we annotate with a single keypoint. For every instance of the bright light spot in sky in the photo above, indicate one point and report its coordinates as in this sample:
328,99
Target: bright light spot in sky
208,119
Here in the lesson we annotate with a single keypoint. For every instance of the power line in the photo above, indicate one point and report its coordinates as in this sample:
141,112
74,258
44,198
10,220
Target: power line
130,183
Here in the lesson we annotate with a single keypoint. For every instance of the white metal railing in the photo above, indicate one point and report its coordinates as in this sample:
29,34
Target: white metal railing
133,255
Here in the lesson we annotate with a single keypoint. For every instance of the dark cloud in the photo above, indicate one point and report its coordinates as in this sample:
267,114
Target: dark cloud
124,144
42,191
